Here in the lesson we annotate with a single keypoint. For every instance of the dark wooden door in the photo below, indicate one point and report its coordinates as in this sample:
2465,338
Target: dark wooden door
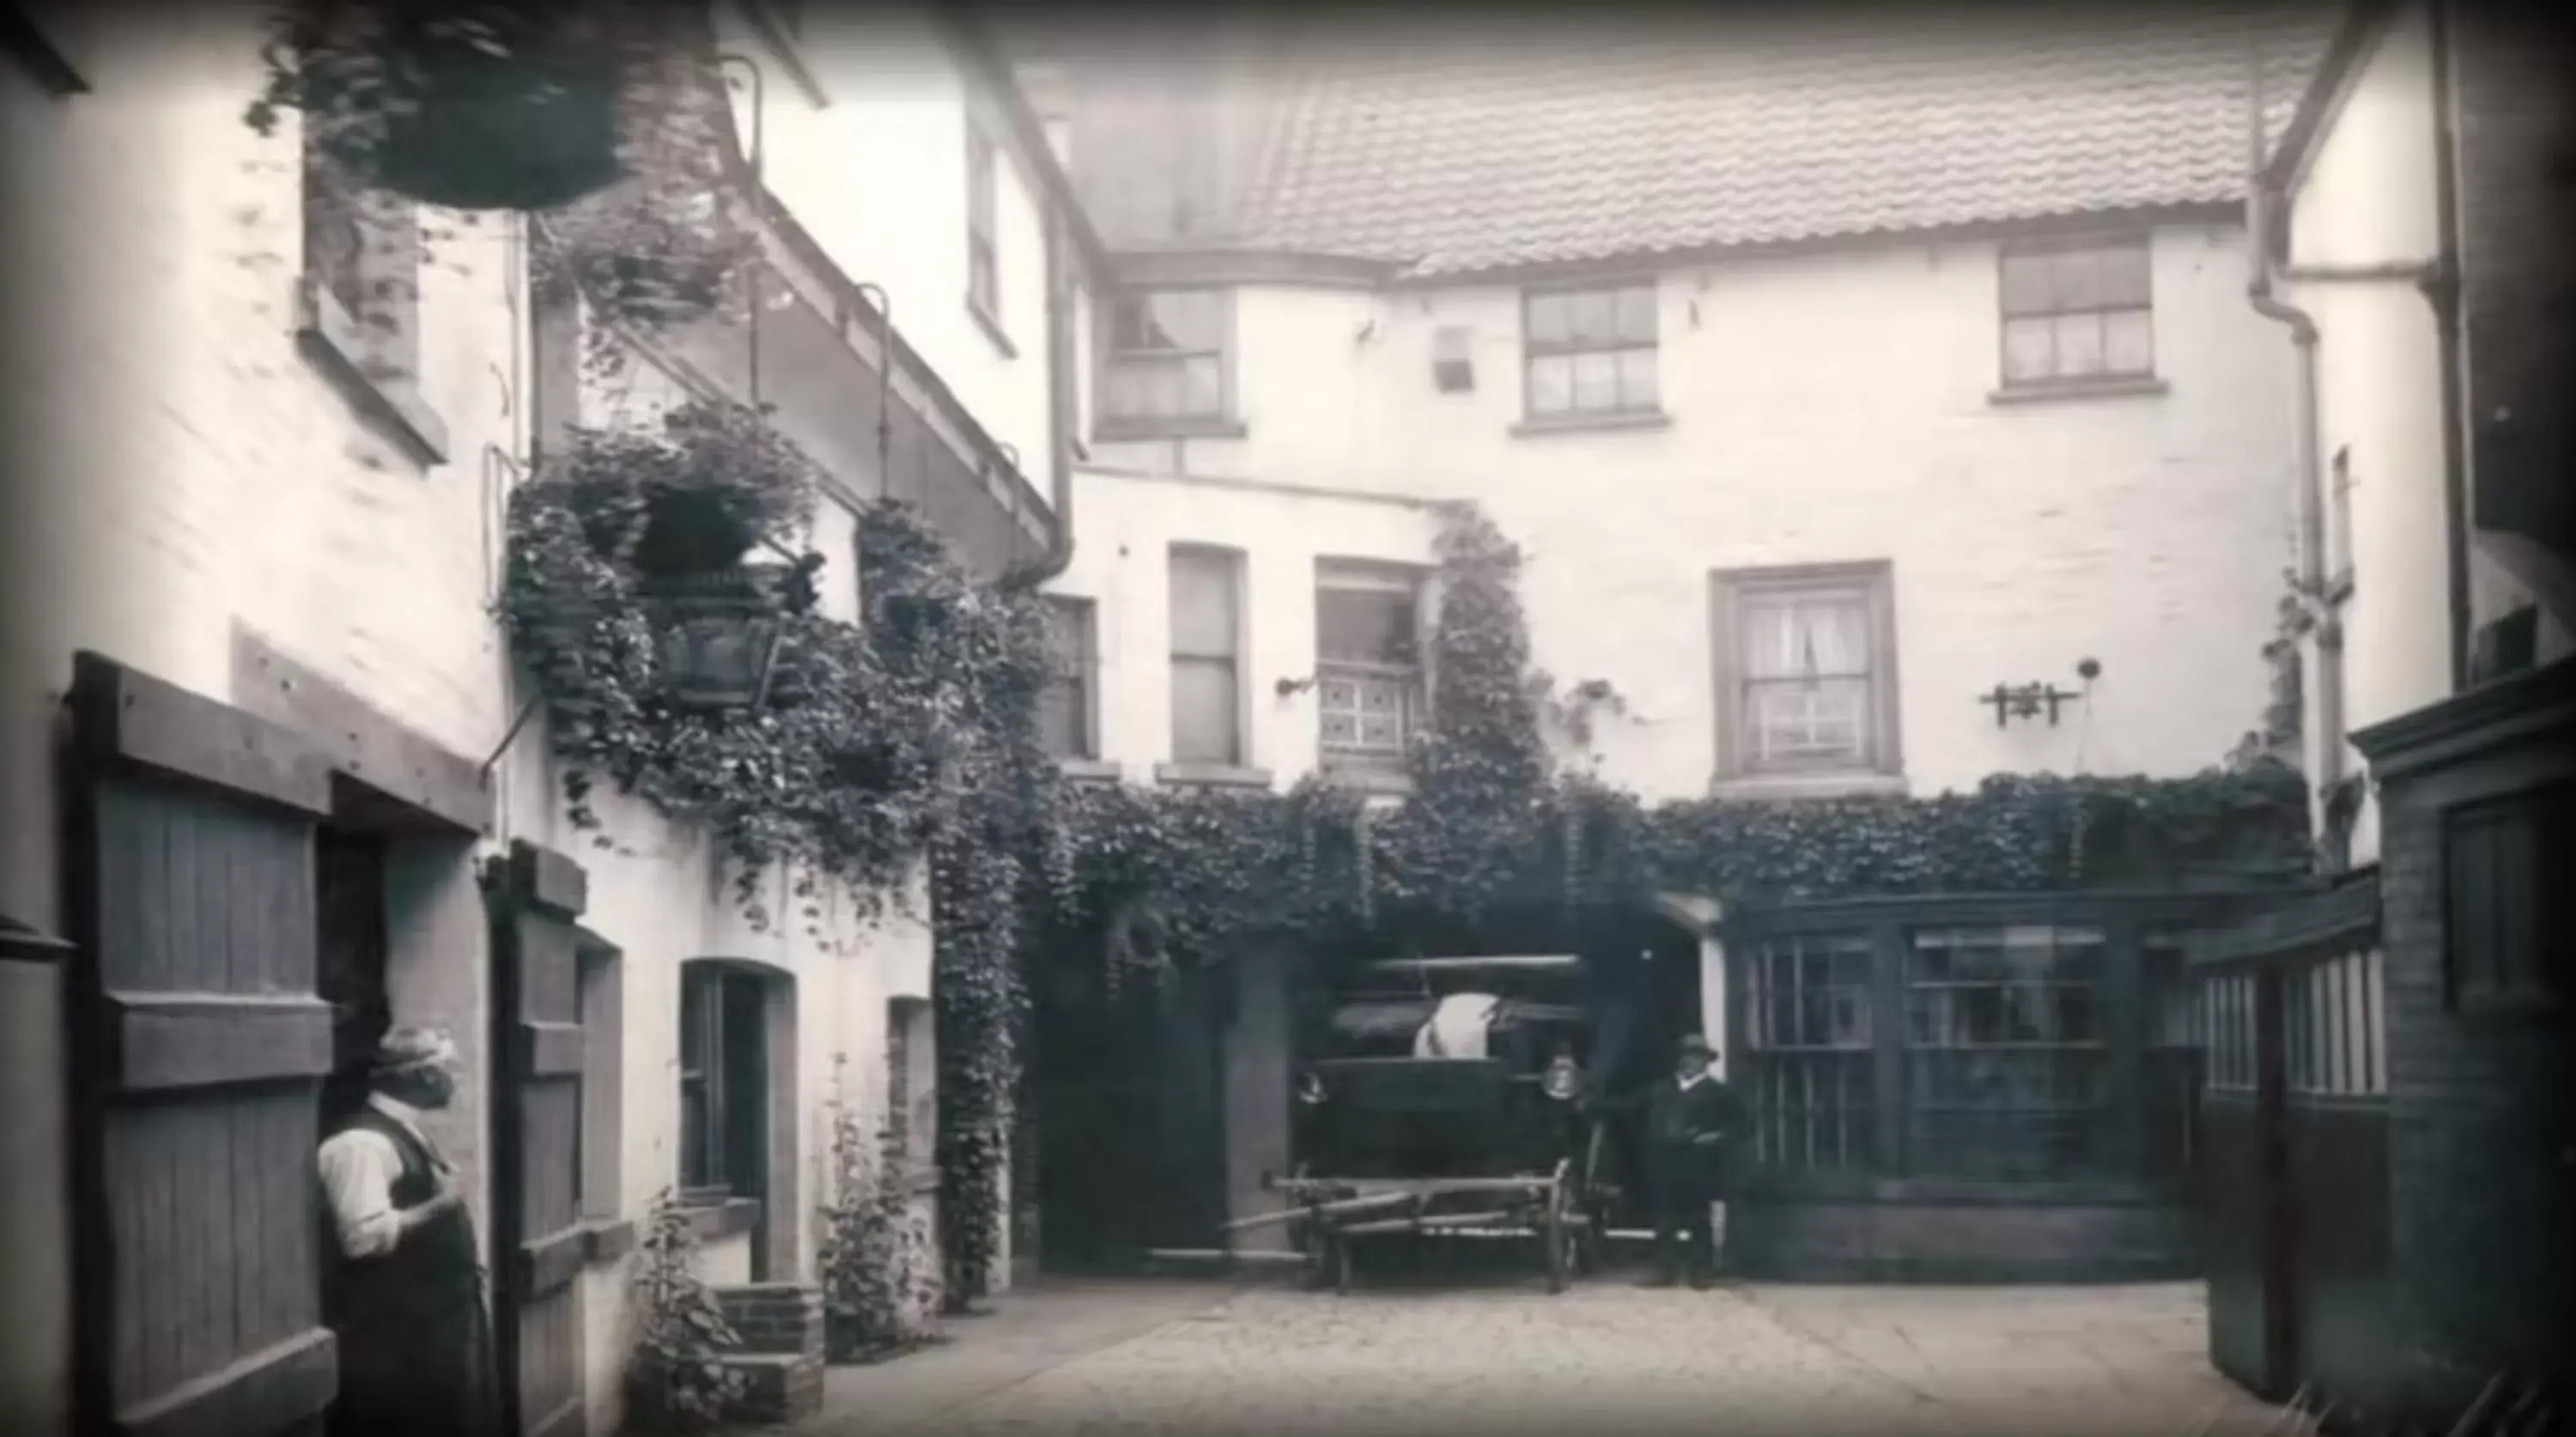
200,1045
538,1236
1182,1103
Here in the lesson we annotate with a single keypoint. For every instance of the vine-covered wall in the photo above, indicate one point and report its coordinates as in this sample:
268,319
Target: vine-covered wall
914,731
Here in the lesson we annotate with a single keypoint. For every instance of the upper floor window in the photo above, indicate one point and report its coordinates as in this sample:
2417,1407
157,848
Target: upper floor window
1167,357
1590,352
1207,648
1806,662
983,183
1368,672
2077,310
362,263
1068,709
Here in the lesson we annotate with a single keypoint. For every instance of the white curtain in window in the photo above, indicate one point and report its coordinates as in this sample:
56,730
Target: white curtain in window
1825,635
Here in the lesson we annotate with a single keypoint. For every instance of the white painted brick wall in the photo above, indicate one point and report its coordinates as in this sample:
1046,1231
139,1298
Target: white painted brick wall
1825,407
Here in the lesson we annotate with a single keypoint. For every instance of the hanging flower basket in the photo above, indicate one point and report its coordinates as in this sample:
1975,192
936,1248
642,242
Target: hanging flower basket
465,104
673,243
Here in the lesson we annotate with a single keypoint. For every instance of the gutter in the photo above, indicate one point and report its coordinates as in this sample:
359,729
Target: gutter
2262,200
1061,406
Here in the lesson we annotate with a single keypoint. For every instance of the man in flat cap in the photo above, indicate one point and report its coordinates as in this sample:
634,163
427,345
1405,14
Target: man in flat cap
1690,1117
404,1289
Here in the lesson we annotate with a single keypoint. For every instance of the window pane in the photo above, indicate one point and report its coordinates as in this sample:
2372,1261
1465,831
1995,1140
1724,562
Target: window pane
1823,633
2029,351
1596,381
2079,345
2125,276
1068,637
1162,390
2026,288
1203,599
1596,317
2128,342
1062,721
1803,723
1171,320
1363,626
1203,711
1202,386
1124,391
2077,278
1637,380
1637,315
1547,319
1551,384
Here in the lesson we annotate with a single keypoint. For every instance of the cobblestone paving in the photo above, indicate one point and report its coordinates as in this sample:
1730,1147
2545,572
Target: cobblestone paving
1603,1358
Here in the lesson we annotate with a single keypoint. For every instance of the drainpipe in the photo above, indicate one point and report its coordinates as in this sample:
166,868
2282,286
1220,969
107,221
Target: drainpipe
2442,288
2260,218
1061,418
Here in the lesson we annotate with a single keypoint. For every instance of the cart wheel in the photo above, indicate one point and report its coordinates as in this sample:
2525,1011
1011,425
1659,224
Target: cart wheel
1555,1230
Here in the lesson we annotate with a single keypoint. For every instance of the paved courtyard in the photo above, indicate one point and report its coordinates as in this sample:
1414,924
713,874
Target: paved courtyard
1497,1360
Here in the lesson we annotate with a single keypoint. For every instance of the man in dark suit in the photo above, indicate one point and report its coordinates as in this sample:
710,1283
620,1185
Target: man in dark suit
1690,1117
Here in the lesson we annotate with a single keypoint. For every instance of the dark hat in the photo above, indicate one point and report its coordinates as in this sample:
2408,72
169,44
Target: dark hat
1694,1043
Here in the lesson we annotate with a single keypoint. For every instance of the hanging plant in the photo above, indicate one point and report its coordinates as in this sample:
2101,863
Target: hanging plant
692,498
676,241
474,104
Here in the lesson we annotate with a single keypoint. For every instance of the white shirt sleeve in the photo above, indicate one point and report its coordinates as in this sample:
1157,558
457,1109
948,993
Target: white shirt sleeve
358,1171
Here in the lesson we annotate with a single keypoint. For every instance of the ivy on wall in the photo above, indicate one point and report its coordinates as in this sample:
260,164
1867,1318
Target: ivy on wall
912,735
1489,823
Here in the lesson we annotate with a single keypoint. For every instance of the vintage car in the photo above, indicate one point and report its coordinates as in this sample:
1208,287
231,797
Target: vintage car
1439,1098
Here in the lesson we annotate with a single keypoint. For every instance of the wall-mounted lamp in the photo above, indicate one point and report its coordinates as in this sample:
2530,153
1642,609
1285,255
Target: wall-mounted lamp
1290,688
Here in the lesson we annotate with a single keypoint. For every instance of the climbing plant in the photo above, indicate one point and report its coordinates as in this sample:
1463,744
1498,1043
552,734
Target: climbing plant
1171,876
677,1380
878,1280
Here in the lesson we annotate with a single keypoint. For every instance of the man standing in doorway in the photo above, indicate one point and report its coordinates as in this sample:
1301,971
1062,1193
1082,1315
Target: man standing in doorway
1690,1117
404,1290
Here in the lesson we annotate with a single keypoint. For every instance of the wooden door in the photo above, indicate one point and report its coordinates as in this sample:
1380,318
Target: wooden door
199,1047
538,1234
1184,1105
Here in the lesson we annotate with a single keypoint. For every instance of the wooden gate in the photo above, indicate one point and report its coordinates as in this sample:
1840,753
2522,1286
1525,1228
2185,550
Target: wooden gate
538,1235
199,1048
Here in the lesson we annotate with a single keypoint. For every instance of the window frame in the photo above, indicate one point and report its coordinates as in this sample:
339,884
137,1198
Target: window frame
1874,581
1233,565
1084,674
2006,314
377,365
1411,677
1790,1115
1930,1148
1108,422
2479,906
709,991
1534,349
983,223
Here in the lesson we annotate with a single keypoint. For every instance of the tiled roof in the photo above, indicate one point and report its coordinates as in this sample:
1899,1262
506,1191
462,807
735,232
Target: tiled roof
1452,155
